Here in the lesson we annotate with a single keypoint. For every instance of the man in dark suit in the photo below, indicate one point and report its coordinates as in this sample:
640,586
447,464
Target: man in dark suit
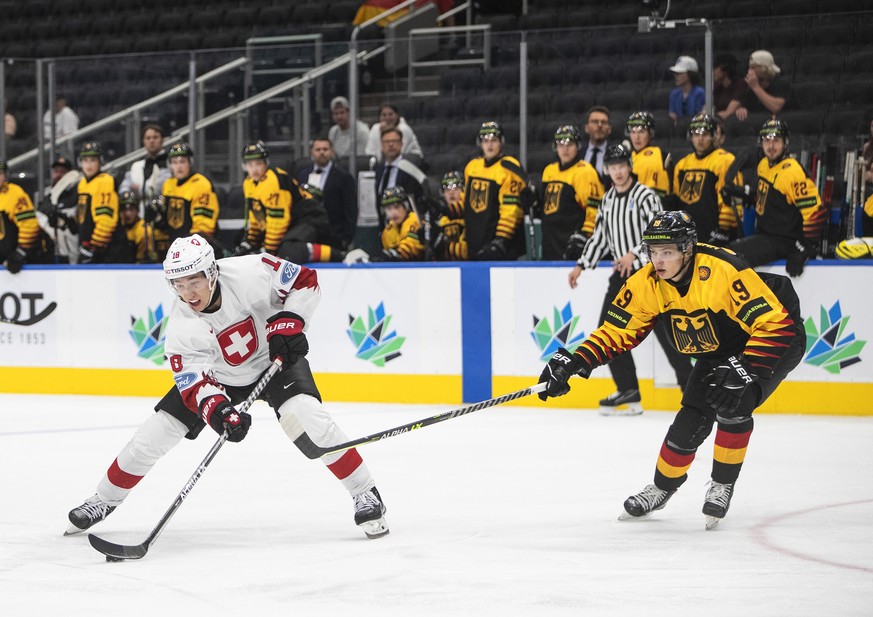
334,187
598,129
394,170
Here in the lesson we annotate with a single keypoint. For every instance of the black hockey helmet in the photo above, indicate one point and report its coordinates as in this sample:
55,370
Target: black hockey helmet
773,128
640,119
452,180
91,149
128,199
181,148
618,153
671,227
395,195
255,151
701,124
568,133
490,130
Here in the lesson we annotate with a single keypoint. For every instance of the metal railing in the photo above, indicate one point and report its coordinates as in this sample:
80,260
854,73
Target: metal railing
413,64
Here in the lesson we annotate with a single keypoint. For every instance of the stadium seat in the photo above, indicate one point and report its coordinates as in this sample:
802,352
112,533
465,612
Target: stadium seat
571,107
485,106
860,63
819,66
857,91
814,94
548,76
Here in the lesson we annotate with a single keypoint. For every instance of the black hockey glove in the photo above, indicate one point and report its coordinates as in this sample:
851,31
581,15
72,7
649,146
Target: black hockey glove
718,237
493,251
59,220
743,192
528,201
558,371
218,413
575,246
243,248
385,255
286,339
88,253
155,213
16,260
727,383
795,262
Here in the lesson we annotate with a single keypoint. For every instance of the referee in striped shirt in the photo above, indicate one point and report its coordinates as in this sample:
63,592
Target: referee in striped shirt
627,209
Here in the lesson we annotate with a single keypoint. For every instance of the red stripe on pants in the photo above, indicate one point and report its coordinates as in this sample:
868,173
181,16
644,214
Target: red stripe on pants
734,441
316,252
346,465
674,459
120,478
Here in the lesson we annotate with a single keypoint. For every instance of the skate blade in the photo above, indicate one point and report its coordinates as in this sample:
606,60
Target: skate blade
712,522
72,530
375,529
631,409
626,516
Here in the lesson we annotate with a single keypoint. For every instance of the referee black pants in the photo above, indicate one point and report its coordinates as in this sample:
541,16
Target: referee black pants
623,369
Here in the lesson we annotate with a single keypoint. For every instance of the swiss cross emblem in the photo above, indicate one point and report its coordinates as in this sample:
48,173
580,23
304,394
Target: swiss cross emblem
238,342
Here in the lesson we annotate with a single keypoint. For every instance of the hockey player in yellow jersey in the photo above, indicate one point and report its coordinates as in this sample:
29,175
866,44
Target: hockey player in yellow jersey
569,198
493,184
743,328
450,240
281,217
101,238
188,203
400,237
650,164
697,182
145,241
790,216
21,240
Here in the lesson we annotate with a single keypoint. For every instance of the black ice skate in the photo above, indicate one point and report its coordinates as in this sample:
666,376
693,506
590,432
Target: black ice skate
624,403
370,513
87,515
718,500
645,502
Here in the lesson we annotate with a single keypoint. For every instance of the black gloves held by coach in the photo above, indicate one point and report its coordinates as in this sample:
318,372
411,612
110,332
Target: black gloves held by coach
286,339
221,416
727,383
558,371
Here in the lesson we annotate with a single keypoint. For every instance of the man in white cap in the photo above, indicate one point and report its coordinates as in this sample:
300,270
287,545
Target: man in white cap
340,133
767,92
687,98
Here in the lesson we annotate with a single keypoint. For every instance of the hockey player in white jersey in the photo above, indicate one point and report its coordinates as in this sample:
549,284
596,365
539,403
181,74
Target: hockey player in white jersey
230,319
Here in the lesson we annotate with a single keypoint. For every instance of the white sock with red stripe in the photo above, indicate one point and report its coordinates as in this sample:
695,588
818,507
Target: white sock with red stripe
153,439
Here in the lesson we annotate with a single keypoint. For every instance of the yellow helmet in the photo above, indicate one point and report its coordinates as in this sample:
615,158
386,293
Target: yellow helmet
856,248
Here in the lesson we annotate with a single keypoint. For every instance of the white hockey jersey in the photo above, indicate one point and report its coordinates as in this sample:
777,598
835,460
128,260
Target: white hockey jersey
229,346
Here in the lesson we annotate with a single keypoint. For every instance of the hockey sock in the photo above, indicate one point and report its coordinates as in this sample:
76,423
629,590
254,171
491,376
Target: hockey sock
731,441
672,468
323,253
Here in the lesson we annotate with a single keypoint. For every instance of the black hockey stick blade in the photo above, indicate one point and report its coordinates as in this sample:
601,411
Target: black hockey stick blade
118,552
313,451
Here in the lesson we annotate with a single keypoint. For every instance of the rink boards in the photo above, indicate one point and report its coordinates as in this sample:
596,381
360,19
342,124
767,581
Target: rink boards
424,333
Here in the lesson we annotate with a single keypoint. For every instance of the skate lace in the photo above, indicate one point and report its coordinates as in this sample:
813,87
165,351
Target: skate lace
719,493
366,500
650,496
94,509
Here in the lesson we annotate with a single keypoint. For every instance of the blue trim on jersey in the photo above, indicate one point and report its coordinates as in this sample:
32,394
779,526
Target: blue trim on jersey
476,331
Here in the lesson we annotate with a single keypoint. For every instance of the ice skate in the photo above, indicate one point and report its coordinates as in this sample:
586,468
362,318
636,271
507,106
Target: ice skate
624,403
718,500
645,502
370,513
87,515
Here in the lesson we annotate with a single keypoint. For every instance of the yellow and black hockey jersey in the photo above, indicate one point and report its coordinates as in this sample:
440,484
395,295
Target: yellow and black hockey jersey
491,203
649,168
697,184
149,245
97,211
17,210
404,238
192,206
787,202
726,308
269,204
569,198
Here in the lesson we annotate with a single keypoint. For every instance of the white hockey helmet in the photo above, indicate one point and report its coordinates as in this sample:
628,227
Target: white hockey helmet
188,256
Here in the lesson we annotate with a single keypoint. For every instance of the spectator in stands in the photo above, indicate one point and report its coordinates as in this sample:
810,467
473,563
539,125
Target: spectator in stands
60,223
21,240
687,98
390,118
146,177
727,89
791,217
335,188
598,129
767,91
569,198
340,133
66,120
10,126
698,180
395,170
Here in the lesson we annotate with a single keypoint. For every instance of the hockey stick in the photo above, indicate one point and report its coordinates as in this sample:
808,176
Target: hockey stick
120,552
312,451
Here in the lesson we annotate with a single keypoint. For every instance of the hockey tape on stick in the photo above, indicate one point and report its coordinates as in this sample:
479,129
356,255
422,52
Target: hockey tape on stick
119,552
313,451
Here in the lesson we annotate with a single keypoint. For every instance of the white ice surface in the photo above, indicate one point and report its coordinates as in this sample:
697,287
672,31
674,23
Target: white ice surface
509,511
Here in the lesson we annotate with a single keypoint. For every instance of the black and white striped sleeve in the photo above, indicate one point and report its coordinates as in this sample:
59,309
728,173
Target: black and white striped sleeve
597,244
649,204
